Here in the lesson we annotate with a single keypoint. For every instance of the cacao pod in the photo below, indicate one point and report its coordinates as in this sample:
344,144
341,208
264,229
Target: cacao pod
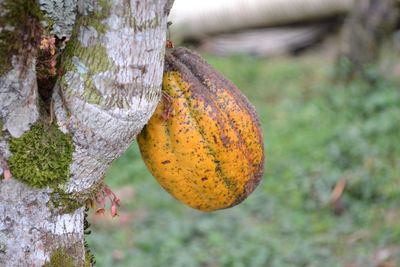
204,142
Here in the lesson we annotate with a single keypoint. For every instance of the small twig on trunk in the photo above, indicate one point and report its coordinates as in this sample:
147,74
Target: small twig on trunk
6,170
51,111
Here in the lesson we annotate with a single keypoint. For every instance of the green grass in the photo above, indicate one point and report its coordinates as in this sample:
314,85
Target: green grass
316,132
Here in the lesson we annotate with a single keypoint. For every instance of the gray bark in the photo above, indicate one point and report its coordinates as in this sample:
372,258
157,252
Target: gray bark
367,26
110,86
198,19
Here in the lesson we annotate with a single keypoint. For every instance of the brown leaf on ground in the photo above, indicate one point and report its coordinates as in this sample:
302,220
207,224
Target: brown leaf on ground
387,257
336,197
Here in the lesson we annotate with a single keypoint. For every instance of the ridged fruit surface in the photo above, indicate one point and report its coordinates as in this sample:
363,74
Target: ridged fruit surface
204,142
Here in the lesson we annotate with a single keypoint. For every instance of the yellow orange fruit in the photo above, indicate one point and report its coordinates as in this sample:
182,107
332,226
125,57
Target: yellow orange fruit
204,142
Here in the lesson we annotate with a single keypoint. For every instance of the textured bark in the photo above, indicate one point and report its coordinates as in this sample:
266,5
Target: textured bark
111,84
367,26
197,19
30,231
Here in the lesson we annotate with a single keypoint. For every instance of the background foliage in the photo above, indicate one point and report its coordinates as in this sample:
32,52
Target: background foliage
317,131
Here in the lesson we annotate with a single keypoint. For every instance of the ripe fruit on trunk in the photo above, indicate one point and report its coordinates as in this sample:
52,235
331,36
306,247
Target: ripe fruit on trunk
204,142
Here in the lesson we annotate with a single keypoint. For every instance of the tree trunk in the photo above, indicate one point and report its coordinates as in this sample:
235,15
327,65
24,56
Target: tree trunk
367,26
59,135
199,19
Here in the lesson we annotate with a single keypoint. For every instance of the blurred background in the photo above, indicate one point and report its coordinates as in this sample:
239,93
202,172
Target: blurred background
324,78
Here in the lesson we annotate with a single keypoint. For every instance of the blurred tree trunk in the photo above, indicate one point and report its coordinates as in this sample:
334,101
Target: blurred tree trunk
66,129
365,29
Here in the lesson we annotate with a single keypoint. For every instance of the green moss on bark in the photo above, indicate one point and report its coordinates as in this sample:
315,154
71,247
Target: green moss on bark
96,17
3,245
41,157
1,128
64,202
89,257
93,56
67,203
60,257
96,60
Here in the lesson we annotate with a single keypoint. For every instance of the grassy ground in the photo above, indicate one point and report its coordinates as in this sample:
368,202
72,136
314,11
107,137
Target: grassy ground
316,133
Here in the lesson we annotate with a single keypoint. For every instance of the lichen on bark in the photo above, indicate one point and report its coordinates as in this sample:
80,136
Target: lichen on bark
61,16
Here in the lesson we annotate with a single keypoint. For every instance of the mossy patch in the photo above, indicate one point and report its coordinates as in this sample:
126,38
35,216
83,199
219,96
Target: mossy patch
3,245
95,20
42,156
60,257
94,56
68,202
1,128
64,202
89,257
